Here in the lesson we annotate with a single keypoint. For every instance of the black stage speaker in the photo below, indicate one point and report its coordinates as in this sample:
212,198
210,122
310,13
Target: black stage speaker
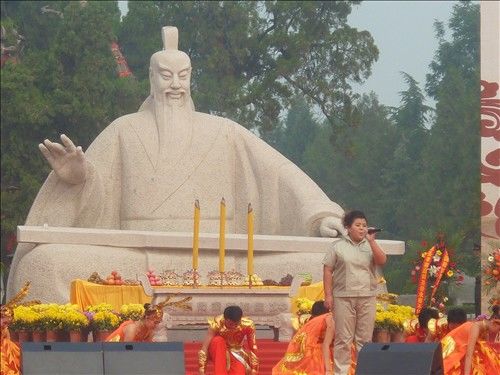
400,359
141,358
62,358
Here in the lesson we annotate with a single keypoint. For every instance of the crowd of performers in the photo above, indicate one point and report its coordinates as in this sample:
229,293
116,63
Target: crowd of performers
468,347
329,342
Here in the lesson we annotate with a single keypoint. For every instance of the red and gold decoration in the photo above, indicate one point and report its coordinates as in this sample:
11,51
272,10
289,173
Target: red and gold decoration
433,266
491,270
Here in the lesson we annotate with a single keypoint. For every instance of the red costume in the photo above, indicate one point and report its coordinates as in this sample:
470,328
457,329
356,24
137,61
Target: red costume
485,360
118,335
9,356
304,354
418,336
10,353
226,349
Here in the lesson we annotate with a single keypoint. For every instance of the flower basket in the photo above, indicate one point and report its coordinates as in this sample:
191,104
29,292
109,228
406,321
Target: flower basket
24,319
105,321
75,335
491,271
432,272
74,320
390,322
38,335
52,335
52,317
397,336
132,311
382,335
102,320
24,335
304,306
101,335
99,307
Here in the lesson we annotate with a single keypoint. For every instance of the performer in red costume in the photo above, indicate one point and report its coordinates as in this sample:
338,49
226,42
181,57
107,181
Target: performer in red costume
470,348
223,344
310,350
422,332
10,354
141,330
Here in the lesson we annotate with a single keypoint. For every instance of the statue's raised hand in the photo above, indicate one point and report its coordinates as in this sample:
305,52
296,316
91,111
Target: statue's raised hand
331,227
67,160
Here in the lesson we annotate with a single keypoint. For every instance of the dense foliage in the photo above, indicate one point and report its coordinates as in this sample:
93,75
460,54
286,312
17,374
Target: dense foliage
284,69
412,169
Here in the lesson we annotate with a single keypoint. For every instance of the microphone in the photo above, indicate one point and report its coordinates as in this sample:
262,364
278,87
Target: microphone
374,230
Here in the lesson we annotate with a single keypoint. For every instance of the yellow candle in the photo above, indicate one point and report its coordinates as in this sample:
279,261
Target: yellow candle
250,240
222,235
196,234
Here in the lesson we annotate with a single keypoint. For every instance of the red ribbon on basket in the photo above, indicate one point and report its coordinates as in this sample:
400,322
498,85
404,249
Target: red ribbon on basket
445,260
422,282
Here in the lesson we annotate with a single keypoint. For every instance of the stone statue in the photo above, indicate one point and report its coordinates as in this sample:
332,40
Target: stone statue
144,172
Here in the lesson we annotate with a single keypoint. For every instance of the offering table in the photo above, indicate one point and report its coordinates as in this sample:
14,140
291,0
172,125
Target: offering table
274,256
265,305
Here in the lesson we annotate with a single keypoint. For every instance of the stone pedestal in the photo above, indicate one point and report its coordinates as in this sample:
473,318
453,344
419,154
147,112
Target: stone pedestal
74,253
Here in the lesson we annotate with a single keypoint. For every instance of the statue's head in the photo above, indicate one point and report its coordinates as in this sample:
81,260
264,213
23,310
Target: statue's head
170,72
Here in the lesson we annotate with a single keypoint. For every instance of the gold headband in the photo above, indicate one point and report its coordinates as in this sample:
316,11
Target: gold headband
180,304
14,301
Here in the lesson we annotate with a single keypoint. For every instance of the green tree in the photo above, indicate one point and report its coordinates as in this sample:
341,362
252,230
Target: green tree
350,167
298,130
410,120
442,190
447,186
67,84
251,58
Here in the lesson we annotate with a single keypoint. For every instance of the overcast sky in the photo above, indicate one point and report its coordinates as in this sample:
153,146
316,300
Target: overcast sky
404,33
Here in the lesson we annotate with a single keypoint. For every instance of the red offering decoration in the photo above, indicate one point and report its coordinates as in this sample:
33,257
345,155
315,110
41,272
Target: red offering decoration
433,266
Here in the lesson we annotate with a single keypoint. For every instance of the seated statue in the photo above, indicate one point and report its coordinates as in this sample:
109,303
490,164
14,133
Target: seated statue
144,172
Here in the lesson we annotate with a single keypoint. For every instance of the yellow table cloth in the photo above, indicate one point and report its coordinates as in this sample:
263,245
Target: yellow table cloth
313,292
83,294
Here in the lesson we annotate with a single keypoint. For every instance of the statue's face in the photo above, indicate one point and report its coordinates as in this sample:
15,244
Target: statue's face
170,76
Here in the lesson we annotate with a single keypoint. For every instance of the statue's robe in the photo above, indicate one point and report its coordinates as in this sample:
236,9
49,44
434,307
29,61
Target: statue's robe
131,185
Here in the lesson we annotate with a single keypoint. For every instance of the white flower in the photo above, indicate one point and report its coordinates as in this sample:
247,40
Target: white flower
490,258
436,258
433,270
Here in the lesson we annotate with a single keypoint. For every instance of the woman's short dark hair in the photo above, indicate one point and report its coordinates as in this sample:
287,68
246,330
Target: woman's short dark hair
427,314
233,313
456,315
350,216
318,308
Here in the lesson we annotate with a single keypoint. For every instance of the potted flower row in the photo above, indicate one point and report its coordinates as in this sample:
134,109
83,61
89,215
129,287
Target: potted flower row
390,322
53,322
47,322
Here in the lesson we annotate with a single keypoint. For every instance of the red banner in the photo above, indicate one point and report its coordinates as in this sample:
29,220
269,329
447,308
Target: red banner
445,260
422,282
